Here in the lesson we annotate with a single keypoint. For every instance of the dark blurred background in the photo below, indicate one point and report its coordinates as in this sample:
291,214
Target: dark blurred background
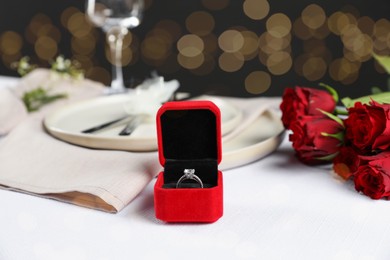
226,47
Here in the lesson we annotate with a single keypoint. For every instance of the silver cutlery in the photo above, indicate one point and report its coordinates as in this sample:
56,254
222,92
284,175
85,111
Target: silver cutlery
112,123
131,126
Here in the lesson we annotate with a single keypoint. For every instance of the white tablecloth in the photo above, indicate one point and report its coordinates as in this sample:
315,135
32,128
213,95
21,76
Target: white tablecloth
276,208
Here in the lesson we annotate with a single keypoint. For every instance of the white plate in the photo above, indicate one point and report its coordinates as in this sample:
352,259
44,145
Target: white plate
67,123
258,140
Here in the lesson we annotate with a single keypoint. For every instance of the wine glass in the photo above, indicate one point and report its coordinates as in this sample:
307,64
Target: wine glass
115,17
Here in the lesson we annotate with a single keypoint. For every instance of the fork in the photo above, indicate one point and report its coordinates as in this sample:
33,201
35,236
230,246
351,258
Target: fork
131,126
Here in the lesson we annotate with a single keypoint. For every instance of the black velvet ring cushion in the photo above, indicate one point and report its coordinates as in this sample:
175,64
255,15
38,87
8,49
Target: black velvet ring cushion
205,169
188,140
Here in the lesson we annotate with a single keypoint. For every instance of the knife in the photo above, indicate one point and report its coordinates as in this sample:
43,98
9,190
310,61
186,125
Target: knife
104,125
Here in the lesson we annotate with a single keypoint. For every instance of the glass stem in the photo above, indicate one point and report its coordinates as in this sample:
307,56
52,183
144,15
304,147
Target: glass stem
115,37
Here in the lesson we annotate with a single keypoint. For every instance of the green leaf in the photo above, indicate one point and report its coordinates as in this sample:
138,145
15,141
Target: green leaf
327,157
384,61
347,102
331,116
339,136
383,97
332,91
341,111
36,98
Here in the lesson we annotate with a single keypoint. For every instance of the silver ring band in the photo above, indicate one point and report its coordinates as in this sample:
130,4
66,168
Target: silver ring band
189,174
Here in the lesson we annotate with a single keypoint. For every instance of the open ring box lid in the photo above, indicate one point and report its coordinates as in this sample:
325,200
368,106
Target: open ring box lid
189,137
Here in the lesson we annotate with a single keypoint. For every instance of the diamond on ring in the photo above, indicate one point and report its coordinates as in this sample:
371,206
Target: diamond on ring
189,173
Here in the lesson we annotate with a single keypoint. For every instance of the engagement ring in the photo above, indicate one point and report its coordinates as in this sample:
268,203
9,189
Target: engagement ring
189,174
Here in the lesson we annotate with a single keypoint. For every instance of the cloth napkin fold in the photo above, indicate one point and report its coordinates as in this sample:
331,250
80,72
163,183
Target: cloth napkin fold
251,109
33,162
12,111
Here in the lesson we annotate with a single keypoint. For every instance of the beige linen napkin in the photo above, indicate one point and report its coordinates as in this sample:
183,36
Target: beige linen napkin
34,162
251,109
12,110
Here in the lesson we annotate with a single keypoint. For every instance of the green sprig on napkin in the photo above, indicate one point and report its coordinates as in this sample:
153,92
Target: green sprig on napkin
38,97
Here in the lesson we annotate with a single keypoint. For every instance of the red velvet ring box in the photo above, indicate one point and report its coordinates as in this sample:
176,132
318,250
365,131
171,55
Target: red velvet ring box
189,137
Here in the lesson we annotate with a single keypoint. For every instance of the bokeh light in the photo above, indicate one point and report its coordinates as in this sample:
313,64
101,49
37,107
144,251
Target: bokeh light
170,28
313,16
251,45
190,62
256,9
231,62
200,23
344,70
155,49
99,74
314,68
78,25
190,45
278,25
46,48
231,41
381,34
301,30
381,28
127,56
66,14
279,63
359,48
320,33
338,21
50,31
37,22
10,43
269,43
83,45
84,61
257,82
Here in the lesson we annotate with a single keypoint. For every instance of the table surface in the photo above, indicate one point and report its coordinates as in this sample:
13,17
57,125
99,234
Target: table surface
275,208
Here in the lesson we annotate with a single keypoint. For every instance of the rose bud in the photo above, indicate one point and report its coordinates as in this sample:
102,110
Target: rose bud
373,179
301,101
346,162
316,139
368,127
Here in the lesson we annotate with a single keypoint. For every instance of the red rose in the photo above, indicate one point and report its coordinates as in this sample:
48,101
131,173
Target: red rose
346,162
365,159
304,101
373,179
368,127
310,140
